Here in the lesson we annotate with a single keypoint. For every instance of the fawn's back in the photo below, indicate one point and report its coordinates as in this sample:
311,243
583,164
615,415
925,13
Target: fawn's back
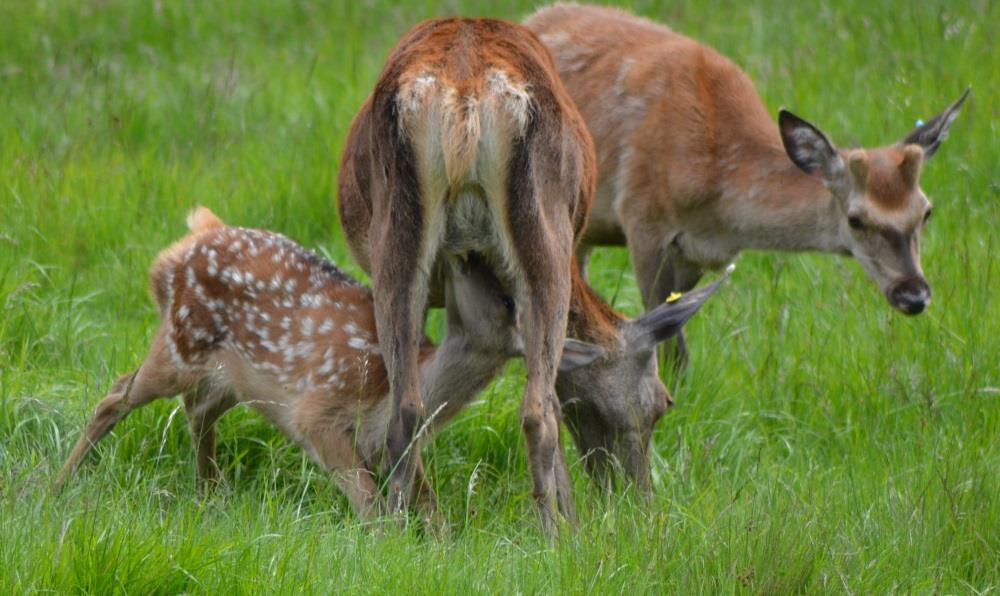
288,331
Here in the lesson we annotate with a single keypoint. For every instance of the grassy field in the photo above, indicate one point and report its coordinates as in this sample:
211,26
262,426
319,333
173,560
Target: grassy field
820,442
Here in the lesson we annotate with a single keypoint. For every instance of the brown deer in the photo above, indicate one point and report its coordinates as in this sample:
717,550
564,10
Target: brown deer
468,145
250,317
692,169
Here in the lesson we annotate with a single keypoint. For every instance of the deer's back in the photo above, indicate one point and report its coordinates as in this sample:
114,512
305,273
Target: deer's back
669,115
458,104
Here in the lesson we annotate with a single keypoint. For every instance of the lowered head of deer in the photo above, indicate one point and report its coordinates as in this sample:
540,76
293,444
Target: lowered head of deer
882,208
609,384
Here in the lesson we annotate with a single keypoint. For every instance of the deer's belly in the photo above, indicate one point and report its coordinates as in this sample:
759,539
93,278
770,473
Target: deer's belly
705,249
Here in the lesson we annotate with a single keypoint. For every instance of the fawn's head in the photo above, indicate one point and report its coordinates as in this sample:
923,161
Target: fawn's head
883,209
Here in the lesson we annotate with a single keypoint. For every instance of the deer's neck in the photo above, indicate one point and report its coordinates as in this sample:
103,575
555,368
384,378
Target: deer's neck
454,374
591,319
773,205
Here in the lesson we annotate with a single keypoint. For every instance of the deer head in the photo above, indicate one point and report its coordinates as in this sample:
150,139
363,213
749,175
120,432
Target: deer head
883,211
610,387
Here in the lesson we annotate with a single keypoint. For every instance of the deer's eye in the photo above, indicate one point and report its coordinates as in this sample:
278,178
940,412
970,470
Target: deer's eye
855,222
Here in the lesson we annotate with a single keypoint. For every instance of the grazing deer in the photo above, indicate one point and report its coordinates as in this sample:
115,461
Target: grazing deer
692,169
250,317
468,143
611,402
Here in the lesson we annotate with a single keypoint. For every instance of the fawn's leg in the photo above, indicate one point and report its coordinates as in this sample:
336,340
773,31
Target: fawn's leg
203,406
334,448
154,379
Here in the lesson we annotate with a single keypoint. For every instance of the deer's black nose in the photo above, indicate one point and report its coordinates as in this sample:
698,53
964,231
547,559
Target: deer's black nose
911,296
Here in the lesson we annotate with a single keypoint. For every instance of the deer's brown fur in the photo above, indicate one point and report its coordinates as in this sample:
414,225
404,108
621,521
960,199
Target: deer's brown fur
692,168
469,143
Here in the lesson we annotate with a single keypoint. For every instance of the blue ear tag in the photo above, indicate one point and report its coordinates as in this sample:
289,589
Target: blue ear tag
919,122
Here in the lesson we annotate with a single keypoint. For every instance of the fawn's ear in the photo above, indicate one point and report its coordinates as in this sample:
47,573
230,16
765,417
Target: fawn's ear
578,353
666,320
930,134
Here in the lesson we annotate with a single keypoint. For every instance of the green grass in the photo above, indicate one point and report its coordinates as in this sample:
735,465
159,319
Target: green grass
821,442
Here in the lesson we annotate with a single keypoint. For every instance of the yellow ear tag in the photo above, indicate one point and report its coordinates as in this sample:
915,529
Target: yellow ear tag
674,297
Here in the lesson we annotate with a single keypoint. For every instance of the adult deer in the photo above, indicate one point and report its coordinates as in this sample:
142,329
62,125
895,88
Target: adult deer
692,169
250,317
469,145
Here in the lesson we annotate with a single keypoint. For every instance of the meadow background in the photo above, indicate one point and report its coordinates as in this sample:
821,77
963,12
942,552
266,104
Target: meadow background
820,442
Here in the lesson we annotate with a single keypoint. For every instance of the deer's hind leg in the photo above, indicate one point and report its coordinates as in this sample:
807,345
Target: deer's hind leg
156,378
541,237
403,250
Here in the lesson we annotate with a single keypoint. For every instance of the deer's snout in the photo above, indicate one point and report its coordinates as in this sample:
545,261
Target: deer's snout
910,296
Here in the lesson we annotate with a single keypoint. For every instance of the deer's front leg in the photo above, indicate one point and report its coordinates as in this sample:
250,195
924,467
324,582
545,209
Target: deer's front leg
660,269
335,449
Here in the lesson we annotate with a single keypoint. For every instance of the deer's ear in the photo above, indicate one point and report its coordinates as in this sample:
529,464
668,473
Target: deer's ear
809,148
578,353
666,320
930,134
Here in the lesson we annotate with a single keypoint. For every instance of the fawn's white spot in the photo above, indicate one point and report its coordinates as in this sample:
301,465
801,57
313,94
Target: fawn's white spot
327,326
199,291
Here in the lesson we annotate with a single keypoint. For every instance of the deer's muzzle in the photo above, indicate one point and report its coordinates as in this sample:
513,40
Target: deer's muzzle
910,296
